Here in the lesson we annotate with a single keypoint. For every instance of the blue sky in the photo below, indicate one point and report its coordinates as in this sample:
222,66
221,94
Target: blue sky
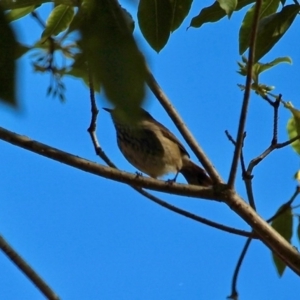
92,238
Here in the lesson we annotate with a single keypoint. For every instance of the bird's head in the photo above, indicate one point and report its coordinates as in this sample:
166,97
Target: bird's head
124,116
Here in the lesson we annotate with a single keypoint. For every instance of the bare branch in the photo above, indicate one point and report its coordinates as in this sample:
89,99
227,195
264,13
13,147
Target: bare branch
234,293
249,190
275,121
193,216
246,100
93,125
103,171
246,176
191,141
231,139
270,237
255,161
219,192
27,270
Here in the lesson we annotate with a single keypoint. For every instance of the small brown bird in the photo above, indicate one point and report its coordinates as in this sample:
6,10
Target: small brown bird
153,149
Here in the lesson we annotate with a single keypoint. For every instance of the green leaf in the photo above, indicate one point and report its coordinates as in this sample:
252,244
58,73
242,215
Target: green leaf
268,7
111,54
283,224
18,13
20,50
209,14
155,17
79,69
128,18
228,5
260,67
7,62
214,13
58,20
180,10
272,28
293,126
280,265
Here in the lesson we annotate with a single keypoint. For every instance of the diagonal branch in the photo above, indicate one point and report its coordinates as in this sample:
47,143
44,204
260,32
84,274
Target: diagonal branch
271,238
27,270
103,171
246,100
193,216
189,138
284,207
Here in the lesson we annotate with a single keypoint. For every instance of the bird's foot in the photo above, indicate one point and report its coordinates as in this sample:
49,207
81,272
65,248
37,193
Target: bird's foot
170,181
138,174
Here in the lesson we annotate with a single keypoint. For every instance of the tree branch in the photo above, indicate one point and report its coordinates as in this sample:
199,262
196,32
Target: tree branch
234,293
193,216
103,171
27,270
175,117
246,177
270,237
255,161
246,100
219,192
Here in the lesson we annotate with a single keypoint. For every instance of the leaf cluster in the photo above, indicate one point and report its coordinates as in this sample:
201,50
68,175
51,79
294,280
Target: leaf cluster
107,48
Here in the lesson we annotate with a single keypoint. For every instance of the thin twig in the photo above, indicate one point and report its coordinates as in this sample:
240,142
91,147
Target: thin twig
104,157
94,109
255,161
234,293
27,270
275,121
189,138
285,206
246,100
231,139
246,176
249,190
295,207
93,125
36,16
193,216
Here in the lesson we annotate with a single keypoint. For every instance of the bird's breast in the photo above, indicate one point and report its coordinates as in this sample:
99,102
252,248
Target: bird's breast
149,151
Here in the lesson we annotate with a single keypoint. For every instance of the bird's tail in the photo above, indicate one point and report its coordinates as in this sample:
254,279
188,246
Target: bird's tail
194,174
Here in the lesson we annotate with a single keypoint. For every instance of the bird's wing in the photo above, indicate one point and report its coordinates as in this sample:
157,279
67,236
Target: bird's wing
168,134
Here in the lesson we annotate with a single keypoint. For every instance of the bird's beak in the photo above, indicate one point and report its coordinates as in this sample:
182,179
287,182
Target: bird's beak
108,109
